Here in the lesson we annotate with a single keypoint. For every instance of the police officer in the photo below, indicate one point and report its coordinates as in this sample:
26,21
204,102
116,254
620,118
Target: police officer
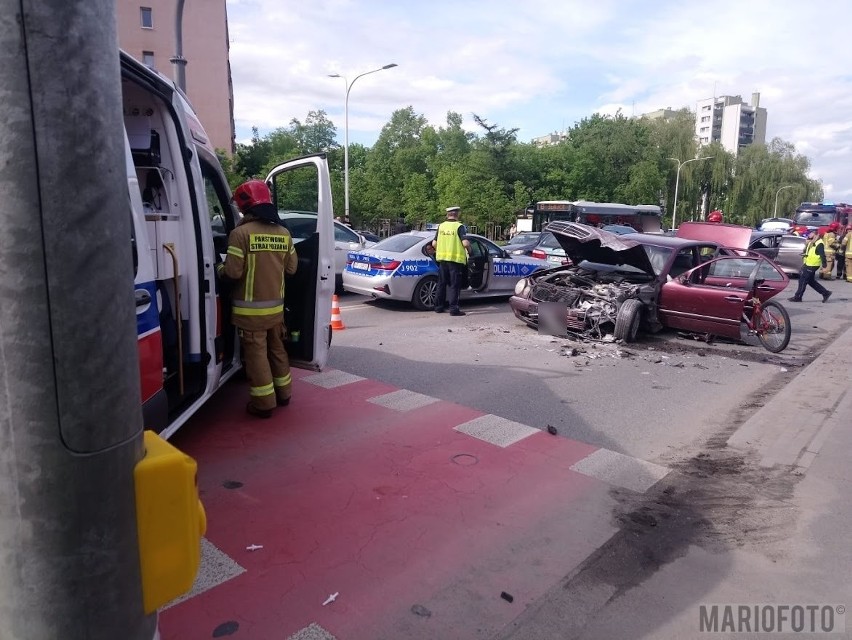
451,249
814,259
260,252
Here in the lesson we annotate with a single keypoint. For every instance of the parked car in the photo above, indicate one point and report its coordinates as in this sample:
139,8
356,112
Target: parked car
402,267
771,244
303,224
548,248
776,224
522,243
619,284
619,229
369,236
789,254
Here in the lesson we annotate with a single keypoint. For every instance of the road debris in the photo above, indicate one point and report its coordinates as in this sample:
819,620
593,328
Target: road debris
507,597
551,430
254,547
331,598
420,610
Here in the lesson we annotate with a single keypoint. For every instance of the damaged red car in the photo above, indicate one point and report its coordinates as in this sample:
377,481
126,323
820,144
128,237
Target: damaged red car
619,285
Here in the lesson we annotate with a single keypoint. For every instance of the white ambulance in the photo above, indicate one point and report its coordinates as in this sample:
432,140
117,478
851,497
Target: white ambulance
182,214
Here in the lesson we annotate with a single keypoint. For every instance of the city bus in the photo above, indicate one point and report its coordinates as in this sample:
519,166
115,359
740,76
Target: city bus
646,218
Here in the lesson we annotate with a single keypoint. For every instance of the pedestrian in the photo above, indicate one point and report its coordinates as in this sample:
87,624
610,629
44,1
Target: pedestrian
260,253
451,251
814,259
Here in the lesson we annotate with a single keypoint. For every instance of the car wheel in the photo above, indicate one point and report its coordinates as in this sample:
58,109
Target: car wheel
627,320
425,294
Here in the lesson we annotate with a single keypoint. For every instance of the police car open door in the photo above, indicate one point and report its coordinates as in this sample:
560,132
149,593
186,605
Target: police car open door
304,185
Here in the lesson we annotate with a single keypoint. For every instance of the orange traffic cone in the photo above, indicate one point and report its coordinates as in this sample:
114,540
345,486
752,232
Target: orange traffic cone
336,320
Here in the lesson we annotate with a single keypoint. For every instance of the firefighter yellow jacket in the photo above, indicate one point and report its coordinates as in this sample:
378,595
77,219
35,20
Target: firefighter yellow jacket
259,255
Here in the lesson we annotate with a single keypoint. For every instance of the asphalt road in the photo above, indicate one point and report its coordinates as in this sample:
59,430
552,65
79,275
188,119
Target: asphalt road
719,527
657,399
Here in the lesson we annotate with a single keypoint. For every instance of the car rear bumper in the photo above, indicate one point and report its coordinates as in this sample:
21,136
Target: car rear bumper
365,285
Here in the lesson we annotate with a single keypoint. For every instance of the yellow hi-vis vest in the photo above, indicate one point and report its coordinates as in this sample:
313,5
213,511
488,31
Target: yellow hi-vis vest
812,259
450,247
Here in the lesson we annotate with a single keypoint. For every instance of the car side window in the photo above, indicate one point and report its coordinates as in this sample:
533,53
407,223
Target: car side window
476,249
768,272
732,267
683,262
342,234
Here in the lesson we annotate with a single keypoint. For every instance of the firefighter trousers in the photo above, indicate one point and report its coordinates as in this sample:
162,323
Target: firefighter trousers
267,366
828,272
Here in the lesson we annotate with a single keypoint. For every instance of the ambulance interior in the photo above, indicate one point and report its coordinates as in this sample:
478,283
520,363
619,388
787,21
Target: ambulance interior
175,241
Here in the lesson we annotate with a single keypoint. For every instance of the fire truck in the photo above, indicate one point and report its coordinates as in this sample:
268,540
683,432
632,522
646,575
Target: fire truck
821,214
181,209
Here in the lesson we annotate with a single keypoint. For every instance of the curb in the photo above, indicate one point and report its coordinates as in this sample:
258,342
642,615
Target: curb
791,428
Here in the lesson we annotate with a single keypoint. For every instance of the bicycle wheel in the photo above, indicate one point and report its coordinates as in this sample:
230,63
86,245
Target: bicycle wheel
773,327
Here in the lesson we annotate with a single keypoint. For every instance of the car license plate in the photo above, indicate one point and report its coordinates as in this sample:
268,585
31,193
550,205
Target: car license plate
557,259
361,266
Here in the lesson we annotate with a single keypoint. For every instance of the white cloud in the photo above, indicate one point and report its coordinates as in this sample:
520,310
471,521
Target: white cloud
541,65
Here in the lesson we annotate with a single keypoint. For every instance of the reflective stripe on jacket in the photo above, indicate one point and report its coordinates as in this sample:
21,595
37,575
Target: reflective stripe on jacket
259,255
812,258
450,247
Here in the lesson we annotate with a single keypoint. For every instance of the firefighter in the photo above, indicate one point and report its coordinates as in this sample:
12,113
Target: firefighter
715,216
839,256
848,254
260,253
830,239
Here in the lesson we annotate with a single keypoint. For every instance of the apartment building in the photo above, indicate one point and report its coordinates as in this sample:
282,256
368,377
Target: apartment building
146,30
731,122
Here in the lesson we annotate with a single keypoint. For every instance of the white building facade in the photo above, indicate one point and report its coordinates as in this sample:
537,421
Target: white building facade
731,122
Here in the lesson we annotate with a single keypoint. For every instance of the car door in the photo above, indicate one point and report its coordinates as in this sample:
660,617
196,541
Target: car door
506,270
477,265
734,271
688,302
304,185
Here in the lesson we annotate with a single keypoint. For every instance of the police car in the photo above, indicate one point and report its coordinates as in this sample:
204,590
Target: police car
403,267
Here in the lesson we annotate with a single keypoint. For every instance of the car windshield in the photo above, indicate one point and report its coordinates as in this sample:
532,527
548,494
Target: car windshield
523,238
658,256
814,218
398,243
549,241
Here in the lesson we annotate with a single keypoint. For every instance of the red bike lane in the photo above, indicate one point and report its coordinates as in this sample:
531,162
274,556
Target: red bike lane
372,493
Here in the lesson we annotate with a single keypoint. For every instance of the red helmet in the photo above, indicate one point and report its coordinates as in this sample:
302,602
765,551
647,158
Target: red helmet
834,226
250,194
821,231
714,216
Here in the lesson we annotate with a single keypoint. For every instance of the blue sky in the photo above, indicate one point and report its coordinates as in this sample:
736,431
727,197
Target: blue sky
542,65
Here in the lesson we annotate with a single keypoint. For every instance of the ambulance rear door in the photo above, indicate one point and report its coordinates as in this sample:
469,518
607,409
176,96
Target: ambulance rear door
304,185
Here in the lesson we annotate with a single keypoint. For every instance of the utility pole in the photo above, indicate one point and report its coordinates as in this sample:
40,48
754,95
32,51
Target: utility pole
70,415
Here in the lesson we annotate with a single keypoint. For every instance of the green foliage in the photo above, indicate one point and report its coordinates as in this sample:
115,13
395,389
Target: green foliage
415,170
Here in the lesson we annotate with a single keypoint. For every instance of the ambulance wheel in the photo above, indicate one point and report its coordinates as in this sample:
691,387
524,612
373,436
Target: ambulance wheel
425,294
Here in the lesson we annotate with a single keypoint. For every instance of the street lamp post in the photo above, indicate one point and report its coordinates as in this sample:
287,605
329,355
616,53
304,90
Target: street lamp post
346,131
677,182
775,210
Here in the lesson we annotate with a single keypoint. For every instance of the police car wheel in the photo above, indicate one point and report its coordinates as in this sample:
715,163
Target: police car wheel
425,294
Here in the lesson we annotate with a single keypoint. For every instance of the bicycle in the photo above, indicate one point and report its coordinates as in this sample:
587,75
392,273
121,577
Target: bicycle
769,321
